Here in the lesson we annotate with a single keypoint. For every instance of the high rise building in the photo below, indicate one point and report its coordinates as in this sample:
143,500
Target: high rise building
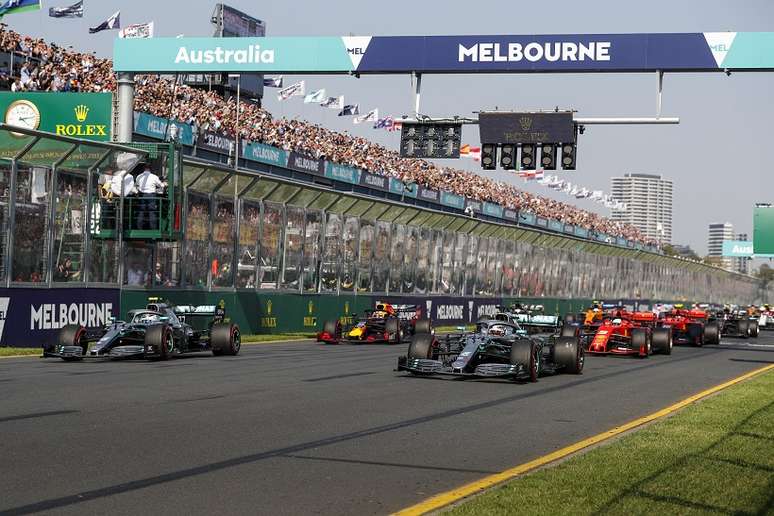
717,233
648,199
742,264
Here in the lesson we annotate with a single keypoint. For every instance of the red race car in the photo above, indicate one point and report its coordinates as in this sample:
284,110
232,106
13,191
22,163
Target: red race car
629,333
690,326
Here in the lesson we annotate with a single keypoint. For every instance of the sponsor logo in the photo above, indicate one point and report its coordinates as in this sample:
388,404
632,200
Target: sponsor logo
250,55
487,310
450,312
428,194
217,141
81,112
305,163
377,181
52,316
356,48
268,321
565,51
525,122
261,152
4,302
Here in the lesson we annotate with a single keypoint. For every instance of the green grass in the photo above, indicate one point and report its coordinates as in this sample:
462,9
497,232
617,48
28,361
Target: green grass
257,339
12,352
453,329
714,457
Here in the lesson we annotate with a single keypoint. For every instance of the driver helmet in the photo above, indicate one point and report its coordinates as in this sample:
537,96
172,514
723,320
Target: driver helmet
617,321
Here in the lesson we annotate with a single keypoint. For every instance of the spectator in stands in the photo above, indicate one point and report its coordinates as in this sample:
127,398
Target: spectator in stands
48,67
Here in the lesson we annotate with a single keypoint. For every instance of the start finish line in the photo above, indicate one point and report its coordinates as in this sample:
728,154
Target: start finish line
577,53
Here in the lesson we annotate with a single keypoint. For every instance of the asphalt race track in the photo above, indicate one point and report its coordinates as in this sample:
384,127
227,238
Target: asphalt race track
303,428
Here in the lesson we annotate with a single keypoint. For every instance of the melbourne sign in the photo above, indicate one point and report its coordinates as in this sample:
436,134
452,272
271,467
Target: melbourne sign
33,317
79,115
687,51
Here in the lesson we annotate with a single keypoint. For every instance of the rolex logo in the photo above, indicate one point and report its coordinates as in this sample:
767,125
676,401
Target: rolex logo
526,123
81,112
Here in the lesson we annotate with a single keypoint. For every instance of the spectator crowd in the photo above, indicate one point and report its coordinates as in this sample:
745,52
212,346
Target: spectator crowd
39,66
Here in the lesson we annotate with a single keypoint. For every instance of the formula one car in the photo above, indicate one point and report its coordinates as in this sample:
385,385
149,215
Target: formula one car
629,333
690,326
387,323
737,323
157,331
496,349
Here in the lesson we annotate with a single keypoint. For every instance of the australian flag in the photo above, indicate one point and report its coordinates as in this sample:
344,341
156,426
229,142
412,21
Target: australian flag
73,11
114,22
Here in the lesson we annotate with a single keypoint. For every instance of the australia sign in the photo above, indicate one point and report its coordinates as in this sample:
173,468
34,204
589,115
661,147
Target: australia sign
669,52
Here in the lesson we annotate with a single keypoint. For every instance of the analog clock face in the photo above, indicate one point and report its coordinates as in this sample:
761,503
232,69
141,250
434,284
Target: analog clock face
23,113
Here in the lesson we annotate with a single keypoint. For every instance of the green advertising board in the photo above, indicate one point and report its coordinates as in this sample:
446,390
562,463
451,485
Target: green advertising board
763,230
78,115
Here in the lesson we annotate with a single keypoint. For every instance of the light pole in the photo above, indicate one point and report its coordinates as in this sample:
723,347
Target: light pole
236,138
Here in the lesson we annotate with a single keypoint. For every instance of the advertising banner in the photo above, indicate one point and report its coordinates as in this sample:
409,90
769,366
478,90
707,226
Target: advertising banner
32,317
510,214
398,187
452,200
645,52
737,248
215,142
304,163
161,128
427,194
265,154
342,173
370,180
763,230
493,210
79,115
474,205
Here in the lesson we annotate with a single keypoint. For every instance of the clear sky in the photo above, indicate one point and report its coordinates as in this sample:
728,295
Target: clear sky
721,156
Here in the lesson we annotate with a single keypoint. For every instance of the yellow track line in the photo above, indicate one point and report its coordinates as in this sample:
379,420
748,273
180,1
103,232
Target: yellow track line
441,500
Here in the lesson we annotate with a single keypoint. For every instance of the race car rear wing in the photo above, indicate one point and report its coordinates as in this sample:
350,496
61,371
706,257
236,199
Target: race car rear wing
196,315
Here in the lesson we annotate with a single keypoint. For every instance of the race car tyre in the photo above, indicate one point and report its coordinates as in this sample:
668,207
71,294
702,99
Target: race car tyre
570,319
744,328
711,333
392,329
524,352
662,341
569,330
159,341
421,346
697,334
640,341
569,355
225,339
423,326
754,329
331,328
71,335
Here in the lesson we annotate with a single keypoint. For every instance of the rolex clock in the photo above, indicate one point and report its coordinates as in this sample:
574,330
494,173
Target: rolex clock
24,114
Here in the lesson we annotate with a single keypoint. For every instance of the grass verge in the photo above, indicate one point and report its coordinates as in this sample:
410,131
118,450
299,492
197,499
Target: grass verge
246,339
716,456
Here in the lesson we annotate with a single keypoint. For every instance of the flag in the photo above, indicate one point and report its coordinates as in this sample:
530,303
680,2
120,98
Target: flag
114,22
531,174
18,6
349,110
333,102
397,125
73,11
575,190
584,192
137,30
371,116
315,97
273,82
596,194
383,123
294,90
466,151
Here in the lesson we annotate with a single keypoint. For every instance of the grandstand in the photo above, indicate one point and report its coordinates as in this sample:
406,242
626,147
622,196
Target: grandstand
40,66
